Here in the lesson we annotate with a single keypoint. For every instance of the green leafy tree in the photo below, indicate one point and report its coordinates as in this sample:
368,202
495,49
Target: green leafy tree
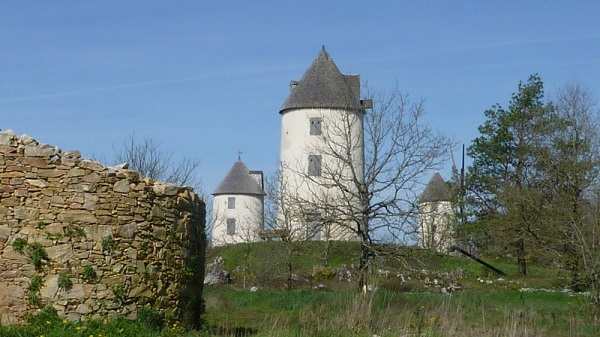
506,172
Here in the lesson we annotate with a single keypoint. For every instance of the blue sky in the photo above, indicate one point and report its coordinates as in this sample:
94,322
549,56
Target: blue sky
206,79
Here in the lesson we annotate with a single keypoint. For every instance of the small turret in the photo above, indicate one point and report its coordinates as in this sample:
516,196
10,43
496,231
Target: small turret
436,215
238,206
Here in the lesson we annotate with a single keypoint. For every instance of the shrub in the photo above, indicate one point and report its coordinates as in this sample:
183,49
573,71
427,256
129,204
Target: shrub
89,274
108,244
38,255
64,281
151,318
323,273
45,316
33,293
19,245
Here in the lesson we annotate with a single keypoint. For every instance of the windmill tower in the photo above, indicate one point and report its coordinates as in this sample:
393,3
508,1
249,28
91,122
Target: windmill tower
318,103
238,206
436,215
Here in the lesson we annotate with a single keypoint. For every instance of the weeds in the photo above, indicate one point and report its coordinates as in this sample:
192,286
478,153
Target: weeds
108,244
64,281
119,292
33,292
38,255
151,318
41,225
88,274
73,231
19,245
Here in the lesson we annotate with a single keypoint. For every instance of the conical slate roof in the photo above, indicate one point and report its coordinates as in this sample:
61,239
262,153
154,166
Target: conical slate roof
436,190
239,181
324,86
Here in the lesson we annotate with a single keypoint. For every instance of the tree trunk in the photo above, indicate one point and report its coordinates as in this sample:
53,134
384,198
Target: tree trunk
290,279
521,260
363,266
326,252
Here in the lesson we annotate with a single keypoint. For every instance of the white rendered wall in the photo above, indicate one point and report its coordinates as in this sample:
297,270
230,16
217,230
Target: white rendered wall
297,144
435,219
248,213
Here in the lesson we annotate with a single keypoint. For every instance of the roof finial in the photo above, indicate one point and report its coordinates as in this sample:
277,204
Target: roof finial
240,155
323,51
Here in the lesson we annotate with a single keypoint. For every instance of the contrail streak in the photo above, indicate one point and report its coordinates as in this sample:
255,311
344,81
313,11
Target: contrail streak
244,72
98,89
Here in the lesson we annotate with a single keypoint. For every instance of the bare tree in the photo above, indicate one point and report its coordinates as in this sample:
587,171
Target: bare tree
147,157
287,221
574,173
379,195
587,239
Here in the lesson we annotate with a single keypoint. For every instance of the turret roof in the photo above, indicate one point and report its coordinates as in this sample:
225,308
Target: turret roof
239,181
324,86
436,190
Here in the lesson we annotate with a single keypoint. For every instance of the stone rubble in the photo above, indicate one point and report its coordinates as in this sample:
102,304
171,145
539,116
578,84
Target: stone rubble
216,273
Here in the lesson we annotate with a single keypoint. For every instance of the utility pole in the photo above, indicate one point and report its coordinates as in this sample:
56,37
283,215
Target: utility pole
462,188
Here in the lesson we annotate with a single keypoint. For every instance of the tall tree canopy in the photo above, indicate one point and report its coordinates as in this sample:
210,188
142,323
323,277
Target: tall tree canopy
504,179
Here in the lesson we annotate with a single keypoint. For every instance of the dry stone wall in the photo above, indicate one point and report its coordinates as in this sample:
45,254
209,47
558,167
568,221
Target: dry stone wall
93,241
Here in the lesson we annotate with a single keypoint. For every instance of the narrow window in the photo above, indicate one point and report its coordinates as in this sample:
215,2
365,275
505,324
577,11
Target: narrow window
230,226
315,126
313,225
317,234
314,165
231,202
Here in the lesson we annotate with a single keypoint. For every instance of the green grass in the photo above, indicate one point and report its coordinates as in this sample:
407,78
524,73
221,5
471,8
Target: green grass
48,324
281,313
335,313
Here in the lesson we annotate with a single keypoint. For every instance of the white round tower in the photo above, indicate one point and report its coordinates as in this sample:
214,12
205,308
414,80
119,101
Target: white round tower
238,207
436,215
324,104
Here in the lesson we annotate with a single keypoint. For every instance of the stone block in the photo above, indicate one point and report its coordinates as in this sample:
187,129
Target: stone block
7,139
75,293
128,231
74,216
83,309
121,186
37,183
50,287
60,253
91,165
4,233
40,163
77,172
40,151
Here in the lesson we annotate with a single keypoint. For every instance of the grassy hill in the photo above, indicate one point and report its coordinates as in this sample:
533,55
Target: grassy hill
264,265
486,305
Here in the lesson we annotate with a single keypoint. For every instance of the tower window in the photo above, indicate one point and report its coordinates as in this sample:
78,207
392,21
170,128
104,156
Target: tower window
314,165
313,225
315,126
231,202
230,226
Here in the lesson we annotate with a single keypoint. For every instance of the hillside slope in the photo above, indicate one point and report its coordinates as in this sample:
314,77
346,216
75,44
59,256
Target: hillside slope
264,264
